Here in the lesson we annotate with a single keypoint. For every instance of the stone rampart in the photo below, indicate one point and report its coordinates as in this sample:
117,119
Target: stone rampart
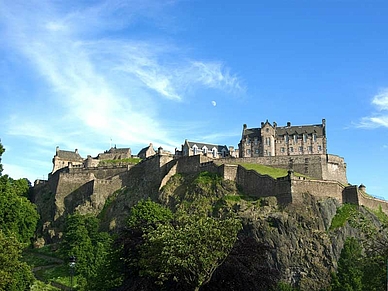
318,188
102,172
372,203
322,167
255,184
334,168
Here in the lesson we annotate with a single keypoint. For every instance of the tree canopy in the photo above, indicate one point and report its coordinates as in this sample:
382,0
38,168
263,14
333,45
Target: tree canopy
182,248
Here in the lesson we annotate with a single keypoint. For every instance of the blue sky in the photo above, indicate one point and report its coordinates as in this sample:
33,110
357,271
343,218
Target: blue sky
88,74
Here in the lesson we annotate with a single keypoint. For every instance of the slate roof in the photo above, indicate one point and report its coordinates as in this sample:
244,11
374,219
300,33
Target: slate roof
318,129
68,155
309,129
252,132
209,146
144,150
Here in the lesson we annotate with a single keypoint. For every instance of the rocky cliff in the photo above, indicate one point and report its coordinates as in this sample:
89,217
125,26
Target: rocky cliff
297,243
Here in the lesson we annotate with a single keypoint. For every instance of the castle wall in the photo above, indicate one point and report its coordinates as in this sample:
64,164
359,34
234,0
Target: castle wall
325,167
334,168
318,188
254,184
100,172
372,203
68,186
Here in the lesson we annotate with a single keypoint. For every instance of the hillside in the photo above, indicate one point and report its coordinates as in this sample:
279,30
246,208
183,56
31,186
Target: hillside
297,244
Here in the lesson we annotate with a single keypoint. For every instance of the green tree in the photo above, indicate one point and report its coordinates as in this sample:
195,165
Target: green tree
90,247
1,153
349,273
14,274
18,216
187,249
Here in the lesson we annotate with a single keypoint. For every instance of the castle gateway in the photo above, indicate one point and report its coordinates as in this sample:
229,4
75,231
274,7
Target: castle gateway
271,140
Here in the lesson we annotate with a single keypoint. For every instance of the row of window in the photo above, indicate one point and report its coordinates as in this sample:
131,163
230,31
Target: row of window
283,150
286,137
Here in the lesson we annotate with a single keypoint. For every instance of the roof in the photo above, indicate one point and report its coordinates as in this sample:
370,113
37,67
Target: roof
309,129
144,150
120,150
200,145
252,132
68,155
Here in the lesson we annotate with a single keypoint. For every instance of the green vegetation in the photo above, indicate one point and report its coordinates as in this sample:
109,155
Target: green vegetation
18,220
270,171
344,213
15,275
185,248
129,161
381,215
41,286
83,240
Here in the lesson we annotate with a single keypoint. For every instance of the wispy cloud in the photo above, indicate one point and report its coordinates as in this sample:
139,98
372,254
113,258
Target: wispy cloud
380,117
102,83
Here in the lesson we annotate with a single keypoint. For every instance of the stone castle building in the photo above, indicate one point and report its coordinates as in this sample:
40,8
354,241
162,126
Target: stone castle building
77,184
190,148
271,140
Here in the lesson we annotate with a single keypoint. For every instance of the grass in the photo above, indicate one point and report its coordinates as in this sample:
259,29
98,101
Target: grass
59,274
344,213
381,215
270,171
40,286
132,161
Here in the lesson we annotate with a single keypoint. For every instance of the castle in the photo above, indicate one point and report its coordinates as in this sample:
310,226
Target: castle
85,184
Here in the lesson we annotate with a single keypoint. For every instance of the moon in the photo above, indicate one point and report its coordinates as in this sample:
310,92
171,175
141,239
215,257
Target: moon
214,103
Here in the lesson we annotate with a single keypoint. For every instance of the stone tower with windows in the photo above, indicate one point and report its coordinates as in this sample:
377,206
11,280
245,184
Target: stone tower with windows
271,140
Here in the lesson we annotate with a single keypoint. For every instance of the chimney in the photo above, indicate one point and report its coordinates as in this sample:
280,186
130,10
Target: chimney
288,124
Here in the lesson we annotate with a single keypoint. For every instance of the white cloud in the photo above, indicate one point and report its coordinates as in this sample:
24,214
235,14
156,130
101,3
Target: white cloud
99,84
378,119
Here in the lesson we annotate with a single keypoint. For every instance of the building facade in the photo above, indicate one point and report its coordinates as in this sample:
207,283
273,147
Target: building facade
190,148
271,140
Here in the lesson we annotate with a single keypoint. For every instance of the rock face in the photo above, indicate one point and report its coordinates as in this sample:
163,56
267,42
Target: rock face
298,244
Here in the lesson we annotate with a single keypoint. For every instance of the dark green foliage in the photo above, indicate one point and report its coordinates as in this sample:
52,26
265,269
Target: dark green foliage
344,213
18,216
147,212
14,274
349,273
246,268
90,247
179,252
2,149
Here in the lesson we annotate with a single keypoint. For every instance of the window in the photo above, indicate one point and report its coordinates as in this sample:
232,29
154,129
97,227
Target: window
214,151
204,149
314,137
310,149
301,149
291,149
256,151
268,141
282,150
248,152
248,141
286,138
256,141
319,148
295,138
266,152
195,150
304,137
